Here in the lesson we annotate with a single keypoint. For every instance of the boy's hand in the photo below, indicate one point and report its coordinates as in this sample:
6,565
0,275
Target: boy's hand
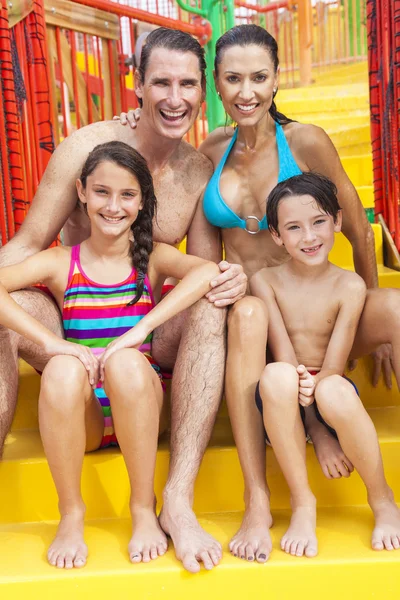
134,338
132,117
59,346
306,386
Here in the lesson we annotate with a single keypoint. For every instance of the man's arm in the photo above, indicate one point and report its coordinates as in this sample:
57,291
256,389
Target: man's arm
345,329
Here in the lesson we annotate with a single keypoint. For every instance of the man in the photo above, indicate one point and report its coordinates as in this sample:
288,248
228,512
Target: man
170,85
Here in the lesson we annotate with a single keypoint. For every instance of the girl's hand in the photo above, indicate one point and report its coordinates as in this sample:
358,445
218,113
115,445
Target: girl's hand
132,117
58,347
132,339
306,386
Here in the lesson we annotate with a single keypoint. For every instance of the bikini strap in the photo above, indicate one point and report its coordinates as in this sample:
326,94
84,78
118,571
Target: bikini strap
223,160
287,164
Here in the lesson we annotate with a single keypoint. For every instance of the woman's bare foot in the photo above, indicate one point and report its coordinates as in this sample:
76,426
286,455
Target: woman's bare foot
300,538
333,461
68,549
148,540
253,540
192,544
386,535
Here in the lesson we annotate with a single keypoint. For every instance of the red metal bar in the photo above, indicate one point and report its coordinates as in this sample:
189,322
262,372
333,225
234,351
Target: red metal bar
8,231
98,58
60,62
196,27
88,88
75,79
112,77
263,9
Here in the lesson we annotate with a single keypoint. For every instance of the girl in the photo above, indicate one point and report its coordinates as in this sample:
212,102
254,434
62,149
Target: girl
101,384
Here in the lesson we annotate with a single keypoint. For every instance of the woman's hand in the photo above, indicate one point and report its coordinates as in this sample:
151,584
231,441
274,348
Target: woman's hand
59,346
306,386
134,338
131,117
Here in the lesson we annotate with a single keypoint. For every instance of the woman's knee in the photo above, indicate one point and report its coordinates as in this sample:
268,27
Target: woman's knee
247,315
64,381
336,398
278,383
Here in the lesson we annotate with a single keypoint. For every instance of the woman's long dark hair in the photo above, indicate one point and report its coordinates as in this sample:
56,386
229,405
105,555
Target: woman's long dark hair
126,157
251,35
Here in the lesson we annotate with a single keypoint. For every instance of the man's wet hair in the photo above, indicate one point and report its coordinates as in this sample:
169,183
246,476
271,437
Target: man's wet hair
319,187
171,39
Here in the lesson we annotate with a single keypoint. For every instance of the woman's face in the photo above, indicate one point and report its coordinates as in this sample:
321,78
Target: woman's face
246,81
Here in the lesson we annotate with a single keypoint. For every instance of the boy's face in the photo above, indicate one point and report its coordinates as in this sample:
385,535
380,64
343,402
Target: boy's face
305,230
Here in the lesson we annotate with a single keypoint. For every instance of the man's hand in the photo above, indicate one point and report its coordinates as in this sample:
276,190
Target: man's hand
58,347
133,338
383,361
306,386
132,117
229,287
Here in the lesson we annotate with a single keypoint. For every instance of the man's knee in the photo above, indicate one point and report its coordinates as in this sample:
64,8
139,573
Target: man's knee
247,314
278,382
206,319
336,399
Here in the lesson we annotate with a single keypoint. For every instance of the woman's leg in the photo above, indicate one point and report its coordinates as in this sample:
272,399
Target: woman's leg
247,341
279,387
70,420
136,398
343,410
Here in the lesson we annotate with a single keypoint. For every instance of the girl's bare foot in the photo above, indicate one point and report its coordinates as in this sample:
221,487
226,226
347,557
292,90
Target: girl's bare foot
253,540
334,463
148,540
386,535
300,538
68,549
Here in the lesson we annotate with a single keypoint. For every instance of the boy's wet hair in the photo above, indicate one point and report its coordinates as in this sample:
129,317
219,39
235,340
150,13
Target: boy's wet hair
126,157
319,187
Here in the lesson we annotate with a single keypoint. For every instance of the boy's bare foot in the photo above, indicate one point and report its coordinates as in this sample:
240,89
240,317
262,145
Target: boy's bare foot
300,538
386,535
148,539
333,461
68,549
192,544
253,540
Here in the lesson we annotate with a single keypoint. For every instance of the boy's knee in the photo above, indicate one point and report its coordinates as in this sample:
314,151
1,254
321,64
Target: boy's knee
280,377
336,398
246,313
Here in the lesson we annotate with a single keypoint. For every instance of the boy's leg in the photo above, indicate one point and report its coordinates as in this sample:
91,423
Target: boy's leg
247,341
279,387
343,410
40,306
136,398
70,420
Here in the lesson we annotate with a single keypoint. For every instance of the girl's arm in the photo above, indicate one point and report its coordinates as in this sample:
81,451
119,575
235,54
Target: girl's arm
49,267
195,275
345,329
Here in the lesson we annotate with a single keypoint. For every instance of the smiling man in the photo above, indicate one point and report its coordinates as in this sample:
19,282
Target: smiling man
170,85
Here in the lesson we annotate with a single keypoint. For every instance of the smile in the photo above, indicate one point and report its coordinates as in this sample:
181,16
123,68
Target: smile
311,250
173,116
112,219
246,107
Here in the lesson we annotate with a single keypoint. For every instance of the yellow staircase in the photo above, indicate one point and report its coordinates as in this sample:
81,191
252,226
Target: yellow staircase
345,568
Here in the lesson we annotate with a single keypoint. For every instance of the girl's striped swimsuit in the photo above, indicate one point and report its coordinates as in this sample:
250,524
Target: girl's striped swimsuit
95,314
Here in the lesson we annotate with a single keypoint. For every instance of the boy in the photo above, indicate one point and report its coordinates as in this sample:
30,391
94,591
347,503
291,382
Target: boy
314,308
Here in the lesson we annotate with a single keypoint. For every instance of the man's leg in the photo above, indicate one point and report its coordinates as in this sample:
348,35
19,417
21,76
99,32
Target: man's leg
196,394
247,342
40,306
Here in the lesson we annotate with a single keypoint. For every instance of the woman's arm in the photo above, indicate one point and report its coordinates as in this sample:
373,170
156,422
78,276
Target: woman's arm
345,329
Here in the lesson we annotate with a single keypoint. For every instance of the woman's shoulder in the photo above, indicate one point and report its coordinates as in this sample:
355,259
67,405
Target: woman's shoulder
216,143
305,135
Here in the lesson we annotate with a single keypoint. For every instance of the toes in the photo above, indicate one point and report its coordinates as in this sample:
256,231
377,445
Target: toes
69,561
162,548
146,555
300,549
377,543
52,558
215,557
60,561
249,553
153,552
190,563
206,560
395,542
311,549
234,548
242,551
387,542
135,556
293,548
79,562
262,554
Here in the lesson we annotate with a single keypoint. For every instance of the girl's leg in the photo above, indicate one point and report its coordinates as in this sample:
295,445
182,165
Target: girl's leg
247,342
136,398
343,410
279,387
70,419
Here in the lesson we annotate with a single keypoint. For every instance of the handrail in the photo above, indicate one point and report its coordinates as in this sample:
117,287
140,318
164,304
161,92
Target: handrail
198,27
192,9
266,8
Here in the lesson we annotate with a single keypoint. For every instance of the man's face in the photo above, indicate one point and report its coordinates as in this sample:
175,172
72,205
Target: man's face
171,92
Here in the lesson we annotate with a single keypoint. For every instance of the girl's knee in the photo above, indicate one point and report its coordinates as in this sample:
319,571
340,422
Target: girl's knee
336,398
126,366
278,382
64,382
247,313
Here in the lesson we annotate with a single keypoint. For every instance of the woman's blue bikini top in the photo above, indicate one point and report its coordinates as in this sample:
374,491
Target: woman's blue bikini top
218,213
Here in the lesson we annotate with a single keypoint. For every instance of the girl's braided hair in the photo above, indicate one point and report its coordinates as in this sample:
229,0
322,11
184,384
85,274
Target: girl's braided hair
126,157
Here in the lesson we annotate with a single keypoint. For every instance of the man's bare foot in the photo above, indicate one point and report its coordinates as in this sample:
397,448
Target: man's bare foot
192,544
253,540
386,535
148,539
300,538
68,549
333,461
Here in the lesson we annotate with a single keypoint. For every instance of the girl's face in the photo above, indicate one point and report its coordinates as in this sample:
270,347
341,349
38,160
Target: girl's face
113,198
246,81
305,230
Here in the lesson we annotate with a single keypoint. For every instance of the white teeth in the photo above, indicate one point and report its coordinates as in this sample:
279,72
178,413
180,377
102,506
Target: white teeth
170,113
112,219
310,249
246,107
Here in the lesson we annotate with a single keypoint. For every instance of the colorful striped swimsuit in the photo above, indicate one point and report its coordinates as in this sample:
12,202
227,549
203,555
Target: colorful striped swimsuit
95,314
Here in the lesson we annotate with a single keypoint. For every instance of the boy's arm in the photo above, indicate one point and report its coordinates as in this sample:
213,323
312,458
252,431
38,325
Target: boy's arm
345,328
278,339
